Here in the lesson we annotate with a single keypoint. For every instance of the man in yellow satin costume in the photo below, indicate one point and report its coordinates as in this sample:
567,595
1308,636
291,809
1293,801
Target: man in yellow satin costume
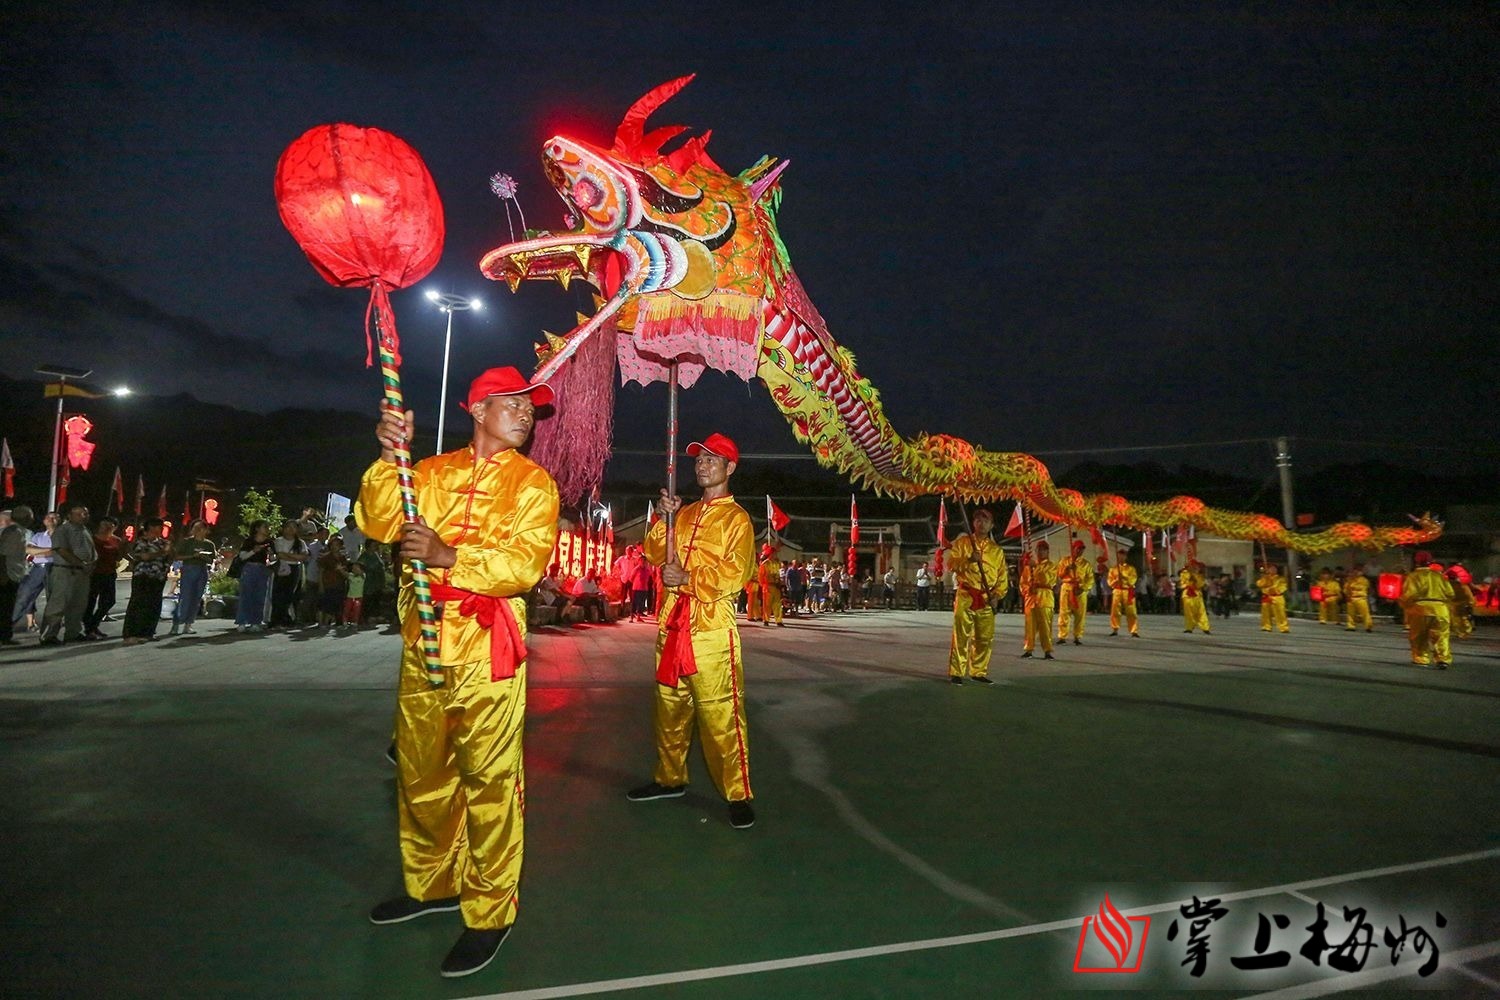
1122,596
1426,596
1461,609
1038,577
1190,584
1272,587
1357,602
980,579
752,599
700,676
1075,578
768,576
1328,607
488,524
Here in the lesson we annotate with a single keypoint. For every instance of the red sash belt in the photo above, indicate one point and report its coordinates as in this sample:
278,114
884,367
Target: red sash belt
507,649
677,660
976,596
1190,592
1071,589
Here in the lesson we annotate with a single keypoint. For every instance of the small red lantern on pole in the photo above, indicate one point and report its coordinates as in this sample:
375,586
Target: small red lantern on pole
1389,586
362,206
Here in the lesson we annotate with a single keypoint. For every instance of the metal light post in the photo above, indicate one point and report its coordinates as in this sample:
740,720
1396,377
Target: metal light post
449,304
62,375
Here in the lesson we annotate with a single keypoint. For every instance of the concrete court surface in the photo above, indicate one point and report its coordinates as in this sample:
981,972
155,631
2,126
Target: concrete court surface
212,816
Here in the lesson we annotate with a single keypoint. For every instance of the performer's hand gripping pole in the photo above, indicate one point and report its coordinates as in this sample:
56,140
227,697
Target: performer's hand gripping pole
390,377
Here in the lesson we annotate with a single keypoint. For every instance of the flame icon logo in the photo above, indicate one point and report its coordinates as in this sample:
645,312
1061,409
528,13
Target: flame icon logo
1112,930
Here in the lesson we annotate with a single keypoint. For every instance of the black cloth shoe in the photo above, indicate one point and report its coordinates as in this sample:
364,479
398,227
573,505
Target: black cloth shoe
1048,656
983,680
1115,632
647,792
955,680
741,816
1026,654
472,951
1078,642
404,908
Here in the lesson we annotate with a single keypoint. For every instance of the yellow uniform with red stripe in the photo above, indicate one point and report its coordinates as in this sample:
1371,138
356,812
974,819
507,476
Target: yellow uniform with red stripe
461,787
716,546
1122,597
973,641
1357,604
1328,607
1075,577
1272,587
1426,595
1194,614
768,575
1037,580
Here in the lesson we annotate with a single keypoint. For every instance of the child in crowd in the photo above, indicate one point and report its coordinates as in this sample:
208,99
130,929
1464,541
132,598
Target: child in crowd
354,596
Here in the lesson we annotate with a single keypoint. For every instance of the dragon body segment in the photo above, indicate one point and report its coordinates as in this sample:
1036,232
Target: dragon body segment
692,270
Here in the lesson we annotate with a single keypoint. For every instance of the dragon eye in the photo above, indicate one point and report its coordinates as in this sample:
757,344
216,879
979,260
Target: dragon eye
586,193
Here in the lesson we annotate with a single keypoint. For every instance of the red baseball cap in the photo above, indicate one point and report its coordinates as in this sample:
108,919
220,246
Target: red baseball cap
506,382
715,444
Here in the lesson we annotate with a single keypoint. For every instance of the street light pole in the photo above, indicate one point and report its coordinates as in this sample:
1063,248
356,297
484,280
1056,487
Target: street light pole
449,304
62,375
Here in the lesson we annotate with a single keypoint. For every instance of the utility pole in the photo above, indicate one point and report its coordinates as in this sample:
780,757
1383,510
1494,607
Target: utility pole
1288,511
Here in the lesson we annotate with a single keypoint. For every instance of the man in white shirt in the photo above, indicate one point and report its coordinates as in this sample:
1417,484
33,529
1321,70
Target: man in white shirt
353,538
39,551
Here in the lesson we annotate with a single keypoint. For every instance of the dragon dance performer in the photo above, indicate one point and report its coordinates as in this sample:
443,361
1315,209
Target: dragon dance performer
1463,604
768,576
1272,587
1122,596
1075,575
699,672
1328,607
1038,577
1426,597
488,524
752,599
980,579
1191,582
1357,602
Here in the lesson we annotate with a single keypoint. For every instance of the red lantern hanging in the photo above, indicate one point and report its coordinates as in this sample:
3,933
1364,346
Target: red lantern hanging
362,206
1389,586
1316,592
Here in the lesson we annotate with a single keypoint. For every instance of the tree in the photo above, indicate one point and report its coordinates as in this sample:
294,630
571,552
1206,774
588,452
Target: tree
258,506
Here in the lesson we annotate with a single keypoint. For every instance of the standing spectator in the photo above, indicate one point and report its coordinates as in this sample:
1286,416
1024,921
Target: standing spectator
375,581
309,524
197,553
354,596
642,584
12,569
846,591
68,584
817,586
39,551
796,586
150,558
835,587
333,570
352,537
102,595
1166,593
888,589
924,587
291,553
255,558
308,605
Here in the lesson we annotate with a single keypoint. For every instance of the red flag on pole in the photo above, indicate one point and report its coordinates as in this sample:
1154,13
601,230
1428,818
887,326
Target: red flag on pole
64,477
776,515
161,503
140,493
942,537
187,507
8,464
118,489
850,562
1017,527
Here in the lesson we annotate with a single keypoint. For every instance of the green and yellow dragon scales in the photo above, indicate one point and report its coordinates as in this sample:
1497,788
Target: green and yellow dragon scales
693,271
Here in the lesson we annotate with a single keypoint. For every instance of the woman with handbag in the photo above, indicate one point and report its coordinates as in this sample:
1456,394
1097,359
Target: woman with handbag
253,562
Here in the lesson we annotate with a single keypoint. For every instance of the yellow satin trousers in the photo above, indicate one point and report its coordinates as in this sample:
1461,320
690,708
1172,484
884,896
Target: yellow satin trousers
1121,604
1194,614
714,698
1273,612
1039,622
973,637
752,602
1357,612
770,605
1427,628
1071,621
461,788
1328,611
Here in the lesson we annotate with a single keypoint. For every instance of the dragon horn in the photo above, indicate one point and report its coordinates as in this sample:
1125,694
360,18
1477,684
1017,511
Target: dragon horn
763,185
628,135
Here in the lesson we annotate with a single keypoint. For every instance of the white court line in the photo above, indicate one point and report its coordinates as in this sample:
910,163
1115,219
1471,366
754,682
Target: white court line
1369,977
1478,977
928,944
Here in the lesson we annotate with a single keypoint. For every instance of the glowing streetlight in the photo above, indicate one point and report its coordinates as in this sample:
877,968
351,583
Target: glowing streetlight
449,304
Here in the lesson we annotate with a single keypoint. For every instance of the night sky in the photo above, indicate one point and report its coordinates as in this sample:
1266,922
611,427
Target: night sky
1039,227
